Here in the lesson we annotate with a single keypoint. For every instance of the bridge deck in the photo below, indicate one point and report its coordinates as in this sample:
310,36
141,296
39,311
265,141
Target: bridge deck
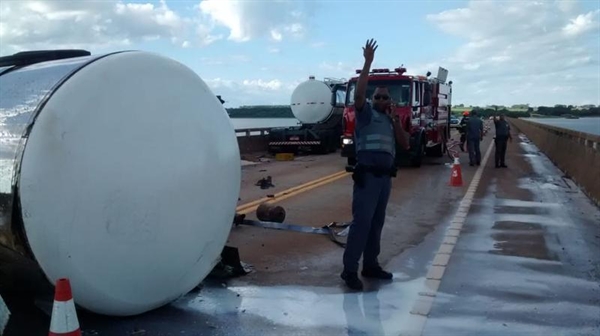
515,251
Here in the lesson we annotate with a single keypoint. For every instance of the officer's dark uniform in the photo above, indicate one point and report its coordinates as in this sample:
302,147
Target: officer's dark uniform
462,129
502,135
376,150
474,131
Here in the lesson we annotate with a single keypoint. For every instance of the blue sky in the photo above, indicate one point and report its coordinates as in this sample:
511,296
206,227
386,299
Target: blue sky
256,52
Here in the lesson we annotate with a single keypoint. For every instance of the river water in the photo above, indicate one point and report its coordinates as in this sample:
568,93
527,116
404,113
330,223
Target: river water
587,125
240,123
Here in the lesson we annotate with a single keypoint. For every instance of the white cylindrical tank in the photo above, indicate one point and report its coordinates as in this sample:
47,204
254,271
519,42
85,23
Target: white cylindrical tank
129,177
311,101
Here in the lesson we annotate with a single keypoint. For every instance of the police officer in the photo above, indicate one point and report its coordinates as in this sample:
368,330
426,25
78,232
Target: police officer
474,138
376,138
501,139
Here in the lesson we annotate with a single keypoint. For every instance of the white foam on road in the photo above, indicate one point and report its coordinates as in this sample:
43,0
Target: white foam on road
384,311
249,163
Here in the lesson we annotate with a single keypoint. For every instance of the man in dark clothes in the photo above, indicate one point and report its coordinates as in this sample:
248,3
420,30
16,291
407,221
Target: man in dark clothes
502,137
377,132
474,137
462,129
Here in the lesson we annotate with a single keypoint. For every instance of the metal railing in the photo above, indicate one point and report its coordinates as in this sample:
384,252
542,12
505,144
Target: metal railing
242,132
451,148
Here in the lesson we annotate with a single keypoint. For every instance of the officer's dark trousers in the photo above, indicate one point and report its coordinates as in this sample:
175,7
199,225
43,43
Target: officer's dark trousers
474,151
368,211
500,142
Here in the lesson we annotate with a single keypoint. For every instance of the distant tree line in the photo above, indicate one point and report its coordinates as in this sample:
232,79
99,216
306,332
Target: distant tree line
524,111
515,111
559,110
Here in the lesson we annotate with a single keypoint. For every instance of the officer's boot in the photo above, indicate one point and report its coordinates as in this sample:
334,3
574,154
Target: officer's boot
352,280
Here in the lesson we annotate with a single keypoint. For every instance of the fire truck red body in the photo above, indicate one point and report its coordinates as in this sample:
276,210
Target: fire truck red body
423,105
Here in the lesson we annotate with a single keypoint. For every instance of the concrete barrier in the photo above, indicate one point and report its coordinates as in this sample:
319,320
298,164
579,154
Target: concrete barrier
252,140
577,154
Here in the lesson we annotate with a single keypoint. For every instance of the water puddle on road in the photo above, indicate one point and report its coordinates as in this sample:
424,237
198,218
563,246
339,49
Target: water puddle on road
525,204
522,267
521,239
380,310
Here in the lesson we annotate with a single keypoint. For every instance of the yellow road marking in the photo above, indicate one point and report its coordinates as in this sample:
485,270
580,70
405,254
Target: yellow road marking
280,196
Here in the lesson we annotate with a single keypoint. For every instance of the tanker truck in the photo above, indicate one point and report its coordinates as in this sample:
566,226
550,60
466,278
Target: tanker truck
110,177
319,106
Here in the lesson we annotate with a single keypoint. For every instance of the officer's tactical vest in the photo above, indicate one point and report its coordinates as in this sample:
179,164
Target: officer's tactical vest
377,136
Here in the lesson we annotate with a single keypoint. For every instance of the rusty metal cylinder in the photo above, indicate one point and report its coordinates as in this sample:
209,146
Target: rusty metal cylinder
270,213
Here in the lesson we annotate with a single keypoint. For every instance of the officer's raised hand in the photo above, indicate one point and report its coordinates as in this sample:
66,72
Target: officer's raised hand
369,50
360,93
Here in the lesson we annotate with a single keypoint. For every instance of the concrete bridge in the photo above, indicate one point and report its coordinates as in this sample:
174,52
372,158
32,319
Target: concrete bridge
514,251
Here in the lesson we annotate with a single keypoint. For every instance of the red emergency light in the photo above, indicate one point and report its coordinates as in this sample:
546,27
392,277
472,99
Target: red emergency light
400,70
384,70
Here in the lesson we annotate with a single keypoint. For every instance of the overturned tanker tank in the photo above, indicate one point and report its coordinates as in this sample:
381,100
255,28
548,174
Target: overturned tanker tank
110,176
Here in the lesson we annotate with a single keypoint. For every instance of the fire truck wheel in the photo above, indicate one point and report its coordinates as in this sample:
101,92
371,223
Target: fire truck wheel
418,157
437,151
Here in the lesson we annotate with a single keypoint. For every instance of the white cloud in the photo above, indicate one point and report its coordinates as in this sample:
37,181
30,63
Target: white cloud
118,23
250,19
582,24
252,91
338,69
272,85
225,60
514,43
273,50
94,24
566,5
276,35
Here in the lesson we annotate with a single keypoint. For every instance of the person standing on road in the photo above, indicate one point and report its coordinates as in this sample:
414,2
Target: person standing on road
377,133
502,137
474,137
462,129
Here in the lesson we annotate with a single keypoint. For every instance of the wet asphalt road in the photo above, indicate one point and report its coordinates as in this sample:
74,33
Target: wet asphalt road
528,259
508,273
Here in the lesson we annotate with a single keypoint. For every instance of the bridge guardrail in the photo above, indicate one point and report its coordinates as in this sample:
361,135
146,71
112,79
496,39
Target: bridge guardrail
246,132
577,154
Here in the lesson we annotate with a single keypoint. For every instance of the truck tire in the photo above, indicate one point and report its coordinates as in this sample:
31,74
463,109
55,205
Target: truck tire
351,161
417,159
437,151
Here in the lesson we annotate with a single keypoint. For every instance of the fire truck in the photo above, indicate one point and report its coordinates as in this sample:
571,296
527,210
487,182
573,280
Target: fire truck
423,105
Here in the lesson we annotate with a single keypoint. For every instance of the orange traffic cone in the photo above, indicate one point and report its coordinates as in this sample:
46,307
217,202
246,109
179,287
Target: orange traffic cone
456,176
64,316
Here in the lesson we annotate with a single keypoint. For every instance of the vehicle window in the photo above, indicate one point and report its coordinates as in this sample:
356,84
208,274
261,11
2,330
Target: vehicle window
340,96
399,91
416,94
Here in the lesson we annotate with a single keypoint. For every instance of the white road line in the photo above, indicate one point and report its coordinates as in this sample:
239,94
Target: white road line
422,307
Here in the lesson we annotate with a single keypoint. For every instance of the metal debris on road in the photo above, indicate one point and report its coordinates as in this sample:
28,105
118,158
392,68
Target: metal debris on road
270,213
265,183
